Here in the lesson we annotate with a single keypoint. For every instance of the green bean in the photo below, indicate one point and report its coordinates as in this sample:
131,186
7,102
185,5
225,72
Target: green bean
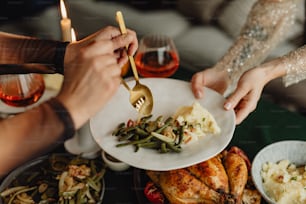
19,192
126,137
136,148
93,167
71,201
167,123
151,126
12,190
69,194
163,148
80,198
174,147
181,135
159,121
91,183
145,118
99,175
153,145
32,177
141,132
149,134
135,137
118,129
135,142
161,137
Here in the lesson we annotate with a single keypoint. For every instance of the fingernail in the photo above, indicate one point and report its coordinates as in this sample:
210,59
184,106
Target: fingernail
199,94
227,106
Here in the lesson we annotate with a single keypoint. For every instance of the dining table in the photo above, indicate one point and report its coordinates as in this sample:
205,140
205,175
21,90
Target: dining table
269,123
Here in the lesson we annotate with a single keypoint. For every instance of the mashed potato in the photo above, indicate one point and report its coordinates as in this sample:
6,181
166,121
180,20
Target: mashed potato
284,182
197,120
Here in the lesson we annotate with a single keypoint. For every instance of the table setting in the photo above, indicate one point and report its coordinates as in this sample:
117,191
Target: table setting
158,86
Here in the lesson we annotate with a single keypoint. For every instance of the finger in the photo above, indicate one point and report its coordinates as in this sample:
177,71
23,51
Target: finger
107,33
124,40
233,100
134,44
101,62
197,83
99,48
243,110
123,60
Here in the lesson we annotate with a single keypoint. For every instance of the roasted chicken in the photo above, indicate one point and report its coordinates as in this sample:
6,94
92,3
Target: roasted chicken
180,187
237,174
223,179
212,173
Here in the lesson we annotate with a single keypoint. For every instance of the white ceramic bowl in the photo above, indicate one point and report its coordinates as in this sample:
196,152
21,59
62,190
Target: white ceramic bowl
113,163
294,151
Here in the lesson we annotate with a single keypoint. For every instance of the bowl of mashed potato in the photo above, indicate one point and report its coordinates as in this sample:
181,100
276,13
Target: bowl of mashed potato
279,172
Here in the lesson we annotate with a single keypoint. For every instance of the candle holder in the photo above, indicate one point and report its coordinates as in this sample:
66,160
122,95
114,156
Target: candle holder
83,143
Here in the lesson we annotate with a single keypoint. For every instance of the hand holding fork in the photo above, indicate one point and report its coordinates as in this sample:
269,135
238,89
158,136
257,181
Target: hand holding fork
140,96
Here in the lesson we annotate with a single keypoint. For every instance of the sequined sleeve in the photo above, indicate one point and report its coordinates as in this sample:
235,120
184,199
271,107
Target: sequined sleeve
295,63
265,27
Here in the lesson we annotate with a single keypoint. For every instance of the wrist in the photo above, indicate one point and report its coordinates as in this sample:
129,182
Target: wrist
274,69
64,116
78,115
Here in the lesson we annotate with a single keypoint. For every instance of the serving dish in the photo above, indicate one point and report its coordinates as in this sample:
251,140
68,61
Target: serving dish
35,167
292,150
113,163
169,95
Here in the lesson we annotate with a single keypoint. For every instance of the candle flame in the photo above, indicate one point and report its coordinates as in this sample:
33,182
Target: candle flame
73,35
63,9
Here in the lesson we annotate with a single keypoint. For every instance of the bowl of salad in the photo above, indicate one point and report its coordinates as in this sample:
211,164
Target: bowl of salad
56,178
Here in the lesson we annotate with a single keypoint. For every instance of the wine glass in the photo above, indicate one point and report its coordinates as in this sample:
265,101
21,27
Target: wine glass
157,56
22,89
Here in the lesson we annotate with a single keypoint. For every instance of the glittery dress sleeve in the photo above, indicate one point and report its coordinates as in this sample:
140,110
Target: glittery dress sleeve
265,27
295,63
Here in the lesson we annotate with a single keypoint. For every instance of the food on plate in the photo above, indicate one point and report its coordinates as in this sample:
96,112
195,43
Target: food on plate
197,120
284,182
187,125
57,179
222,179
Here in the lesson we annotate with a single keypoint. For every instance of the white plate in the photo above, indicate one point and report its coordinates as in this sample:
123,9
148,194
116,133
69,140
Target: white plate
169,95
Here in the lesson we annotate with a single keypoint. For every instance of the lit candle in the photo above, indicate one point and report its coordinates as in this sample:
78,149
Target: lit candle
65,23
73,35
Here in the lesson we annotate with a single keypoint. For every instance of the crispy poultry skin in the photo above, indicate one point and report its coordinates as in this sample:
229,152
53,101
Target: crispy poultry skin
212,173
223,179
180,187
251,196
237,173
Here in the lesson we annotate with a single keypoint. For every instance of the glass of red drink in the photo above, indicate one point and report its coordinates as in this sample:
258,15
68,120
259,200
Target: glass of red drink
22,89
157,56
